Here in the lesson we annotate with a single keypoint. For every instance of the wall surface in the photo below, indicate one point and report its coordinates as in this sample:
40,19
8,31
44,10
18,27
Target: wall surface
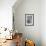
29,32
6,13
43,22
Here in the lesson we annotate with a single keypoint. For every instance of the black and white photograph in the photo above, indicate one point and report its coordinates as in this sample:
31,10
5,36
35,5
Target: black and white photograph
29,19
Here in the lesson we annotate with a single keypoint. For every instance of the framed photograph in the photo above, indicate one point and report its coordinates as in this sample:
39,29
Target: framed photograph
29,19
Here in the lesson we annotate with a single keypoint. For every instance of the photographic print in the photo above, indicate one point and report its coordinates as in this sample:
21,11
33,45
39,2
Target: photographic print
29,19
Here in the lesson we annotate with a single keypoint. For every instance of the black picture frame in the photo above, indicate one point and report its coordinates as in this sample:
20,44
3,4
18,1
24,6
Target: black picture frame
29,19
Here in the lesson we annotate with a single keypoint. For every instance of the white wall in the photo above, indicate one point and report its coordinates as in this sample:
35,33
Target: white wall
30,32
6,13
43,22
